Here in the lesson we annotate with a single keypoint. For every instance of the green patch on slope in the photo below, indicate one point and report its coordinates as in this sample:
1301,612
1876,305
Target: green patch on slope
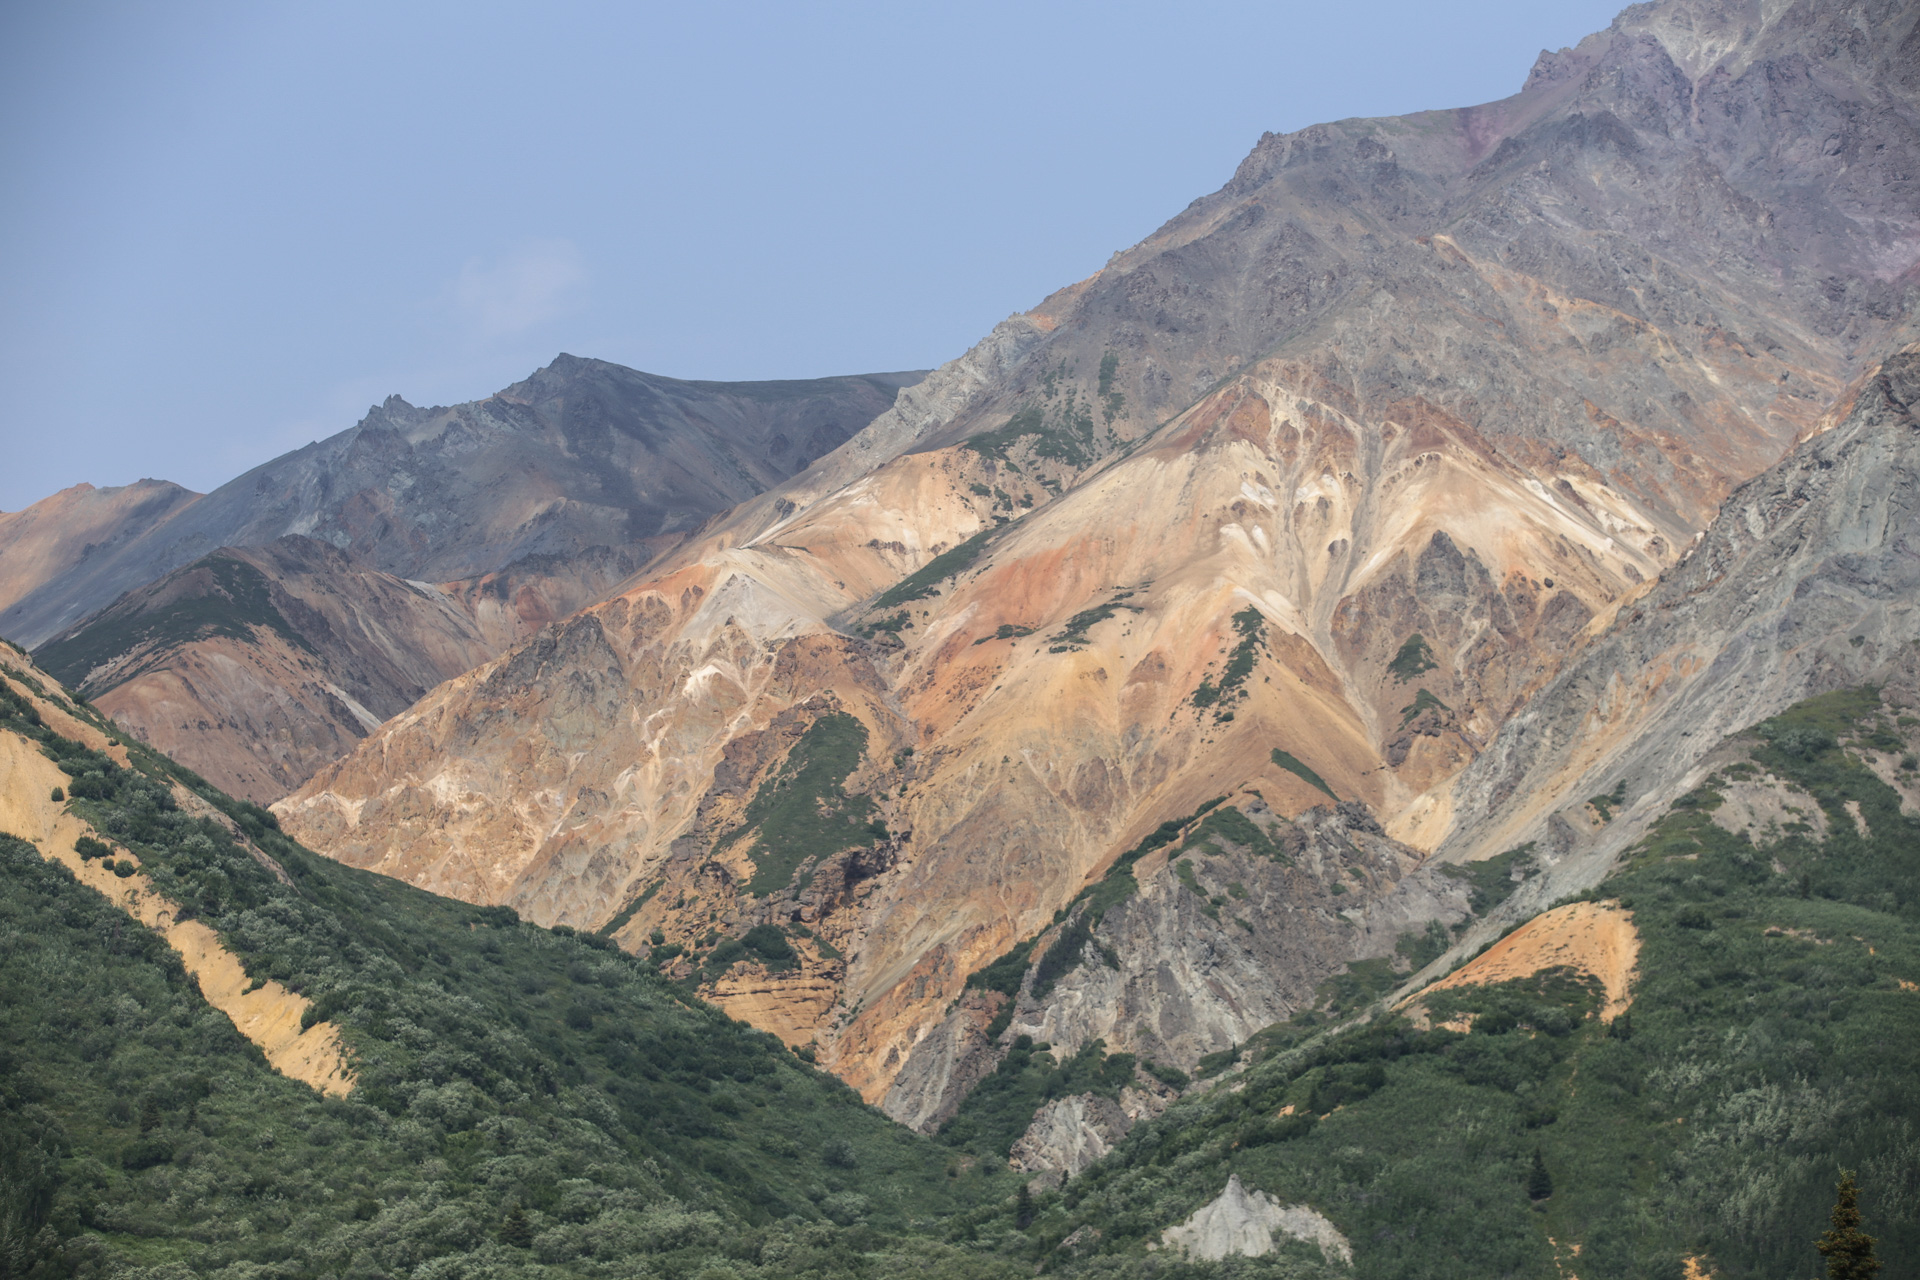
1491,881
1006,972
1074,634
238,598
1060,428
1250,624
1414,658
1769,1044
802,811
1604,805
925,581
1001,1106
1422,701
1299,769
1229,824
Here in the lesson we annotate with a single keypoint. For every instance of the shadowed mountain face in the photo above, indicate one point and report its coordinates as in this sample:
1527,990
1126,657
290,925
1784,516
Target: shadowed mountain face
257,665
1304,496
582,454
61,538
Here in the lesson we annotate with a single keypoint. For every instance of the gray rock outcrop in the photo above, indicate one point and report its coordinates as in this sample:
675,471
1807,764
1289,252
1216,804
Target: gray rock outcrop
1245,1223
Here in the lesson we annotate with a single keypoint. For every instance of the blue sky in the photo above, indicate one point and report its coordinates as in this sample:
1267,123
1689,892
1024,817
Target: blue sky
227,228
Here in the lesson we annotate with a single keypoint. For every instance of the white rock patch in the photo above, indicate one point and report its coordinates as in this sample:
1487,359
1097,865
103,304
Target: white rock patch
1245,1222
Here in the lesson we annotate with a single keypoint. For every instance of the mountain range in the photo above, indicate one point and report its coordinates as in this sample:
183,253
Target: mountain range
1449,590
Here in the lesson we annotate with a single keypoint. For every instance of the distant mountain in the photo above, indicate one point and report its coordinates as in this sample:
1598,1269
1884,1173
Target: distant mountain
61,539
1301,499
582,454
257,665
526,507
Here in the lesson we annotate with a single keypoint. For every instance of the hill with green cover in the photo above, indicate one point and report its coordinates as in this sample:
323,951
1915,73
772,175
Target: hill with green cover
1770,1045
527,1101
533,1102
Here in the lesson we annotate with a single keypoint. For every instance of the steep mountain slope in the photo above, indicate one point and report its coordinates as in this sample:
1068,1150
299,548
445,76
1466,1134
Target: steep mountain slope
1808,582
57,536
581,454
520,1101
1303,496
1523,1121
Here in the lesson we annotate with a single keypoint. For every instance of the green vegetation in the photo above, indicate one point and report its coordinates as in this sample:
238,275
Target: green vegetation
1769,1045
238,598
1002,1106
802,810
1183,868
1415,657
1006,631
1061,430
1422,701
1229,824
1365,981
528,1101
925,581
1491,881
1251,624
1847,1249
1298,768
1112,401
1074,634
1604,805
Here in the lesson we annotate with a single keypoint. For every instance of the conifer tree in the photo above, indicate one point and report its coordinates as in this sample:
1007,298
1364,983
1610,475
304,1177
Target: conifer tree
1847,1249
1022,1208
1539,1181
516,1230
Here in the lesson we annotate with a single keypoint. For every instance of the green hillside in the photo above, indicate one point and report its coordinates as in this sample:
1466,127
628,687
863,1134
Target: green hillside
1773,1040
534,1102
529,1101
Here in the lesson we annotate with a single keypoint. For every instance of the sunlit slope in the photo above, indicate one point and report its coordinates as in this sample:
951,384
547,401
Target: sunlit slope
1311,489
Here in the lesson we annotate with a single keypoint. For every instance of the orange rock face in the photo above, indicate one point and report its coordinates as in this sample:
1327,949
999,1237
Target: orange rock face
1302,497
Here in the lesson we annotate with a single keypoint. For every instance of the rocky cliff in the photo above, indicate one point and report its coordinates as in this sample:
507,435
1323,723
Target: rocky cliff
1304,497
1807,582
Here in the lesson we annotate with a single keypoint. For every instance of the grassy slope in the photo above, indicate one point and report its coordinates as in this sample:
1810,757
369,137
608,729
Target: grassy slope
501,1066
636,1132
1755,1063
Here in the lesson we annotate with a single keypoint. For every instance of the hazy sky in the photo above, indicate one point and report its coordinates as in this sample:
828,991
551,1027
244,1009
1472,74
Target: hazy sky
227,228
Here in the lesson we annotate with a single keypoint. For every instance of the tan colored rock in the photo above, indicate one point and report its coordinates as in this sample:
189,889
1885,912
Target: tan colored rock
267,1014
1595,938
1397,377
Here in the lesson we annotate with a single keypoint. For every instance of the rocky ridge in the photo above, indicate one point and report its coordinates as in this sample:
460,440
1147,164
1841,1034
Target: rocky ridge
1806,583
1325,479
582,454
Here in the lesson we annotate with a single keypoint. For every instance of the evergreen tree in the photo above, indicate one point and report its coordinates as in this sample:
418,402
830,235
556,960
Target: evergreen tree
1847,1249
1022,1208
1539,1181
516,1230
